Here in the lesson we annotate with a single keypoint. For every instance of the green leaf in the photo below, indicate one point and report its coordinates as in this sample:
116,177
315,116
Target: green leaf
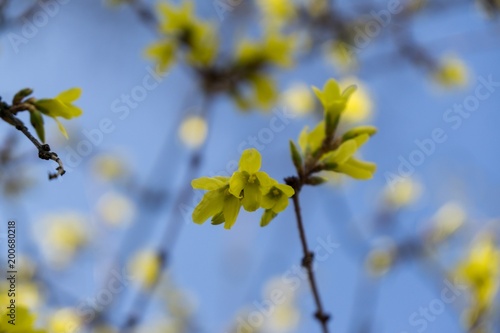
296,158
22,94
360,130
315,180
36,120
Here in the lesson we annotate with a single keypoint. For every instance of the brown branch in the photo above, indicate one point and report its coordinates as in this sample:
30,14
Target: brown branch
307,260
44,151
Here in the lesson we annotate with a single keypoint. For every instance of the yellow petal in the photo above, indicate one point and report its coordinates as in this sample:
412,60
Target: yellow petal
70,95
61,128
250,161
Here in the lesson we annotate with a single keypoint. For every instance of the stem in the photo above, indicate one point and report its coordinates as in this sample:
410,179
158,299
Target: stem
44,151
307,260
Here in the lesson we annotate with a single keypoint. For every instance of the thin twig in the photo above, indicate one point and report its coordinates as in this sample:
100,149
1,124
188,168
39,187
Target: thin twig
44,151
307,260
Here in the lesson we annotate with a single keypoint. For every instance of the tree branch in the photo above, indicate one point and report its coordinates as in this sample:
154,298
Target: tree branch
307,260
44,151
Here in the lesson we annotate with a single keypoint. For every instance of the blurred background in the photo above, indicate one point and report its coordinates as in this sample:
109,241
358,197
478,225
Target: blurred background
110,247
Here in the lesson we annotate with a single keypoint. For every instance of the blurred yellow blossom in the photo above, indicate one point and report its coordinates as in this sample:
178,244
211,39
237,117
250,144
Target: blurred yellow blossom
298,99
381,258
24,321
182,31
480,271
65,320
61,235
341,55
277,12
193,131
275,48
145,268
451,72
109,167
116,209
447,220
403,193
359,106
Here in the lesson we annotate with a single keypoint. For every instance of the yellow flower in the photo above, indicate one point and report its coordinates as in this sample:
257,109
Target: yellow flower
380,259
61,236
61,106
109,167
25,321
448,219
277,12
247,187
298,99
193,131
181,30
65,320
359,107
116,209
275,201
275,49
342,56
248,182
163,52
217,203
145,268
334,101
480,271
403,193
341,159
451,72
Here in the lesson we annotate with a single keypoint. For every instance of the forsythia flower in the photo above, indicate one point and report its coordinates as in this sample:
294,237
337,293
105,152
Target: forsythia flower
299,99
181,29
61,106
247,187
65,320
24,321
274,49
480,270
193,131
145,268
403,193
275,201
277,11
359,106
448,220
319,144
249,180
342,56
451,72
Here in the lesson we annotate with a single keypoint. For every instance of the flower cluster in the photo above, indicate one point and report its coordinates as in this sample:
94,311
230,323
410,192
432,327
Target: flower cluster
182,31
322,150
242,75
480,271
248,187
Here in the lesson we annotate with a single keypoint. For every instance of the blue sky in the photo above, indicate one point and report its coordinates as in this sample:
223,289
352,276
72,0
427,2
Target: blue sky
100,50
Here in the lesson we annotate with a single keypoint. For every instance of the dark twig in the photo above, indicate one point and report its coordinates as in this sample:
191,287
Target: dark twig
44,151
307,260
